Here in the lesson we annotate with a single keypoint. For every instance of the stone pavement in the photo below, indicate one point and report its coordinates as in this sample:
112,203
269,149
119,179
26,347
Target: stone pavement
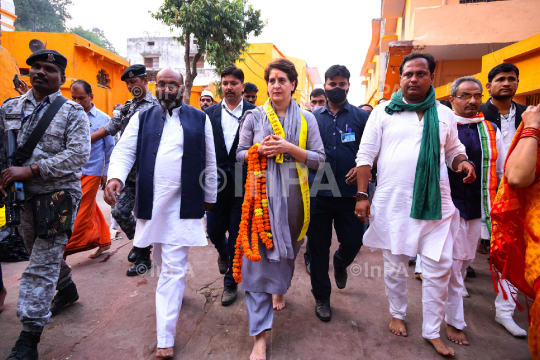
115,315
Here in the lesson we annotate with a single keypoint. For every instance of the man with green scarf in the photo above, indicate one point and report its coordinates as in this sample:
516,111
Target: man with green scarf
414,138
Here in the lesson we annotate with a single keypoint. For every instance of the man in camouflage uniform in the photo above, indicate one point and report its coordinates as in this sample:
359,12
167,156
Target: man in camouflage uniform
137,83
55,165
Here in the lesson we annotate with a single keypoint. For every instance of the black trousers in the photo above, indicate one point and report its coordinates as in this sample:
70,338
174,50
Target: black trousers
326,210
224,218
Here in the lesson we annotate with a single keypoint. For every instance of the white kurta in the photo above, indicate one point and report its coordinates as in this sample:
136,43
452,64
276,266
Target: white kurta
395,141
166,226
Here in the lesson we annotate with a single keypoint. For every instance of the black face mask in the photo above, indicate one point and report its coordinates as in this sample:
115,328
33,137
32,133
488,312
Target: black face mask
336,95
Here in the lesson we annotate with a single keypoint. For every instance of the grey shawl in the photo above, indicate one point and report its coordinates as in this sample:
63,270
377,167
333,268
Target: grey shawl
277,181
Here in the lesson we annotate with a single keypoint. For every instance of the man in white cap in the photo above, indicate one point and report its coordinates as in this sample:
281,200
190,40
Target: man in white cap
206,100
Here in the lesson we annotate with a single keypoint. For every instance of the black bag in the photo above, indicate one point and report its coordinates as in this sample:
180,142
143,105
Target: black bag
12,247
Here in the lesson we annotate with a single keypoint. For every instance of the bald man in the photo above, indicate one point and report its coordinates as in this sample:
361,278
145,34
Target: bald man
172,156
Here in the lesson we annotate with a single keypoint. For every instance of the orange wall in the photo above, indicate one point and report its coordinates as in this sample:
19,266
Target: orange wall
449,70
85,60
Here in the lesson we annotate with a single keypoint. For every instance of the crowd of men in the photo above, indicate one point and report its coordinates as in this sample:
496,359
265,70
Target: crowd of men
432,206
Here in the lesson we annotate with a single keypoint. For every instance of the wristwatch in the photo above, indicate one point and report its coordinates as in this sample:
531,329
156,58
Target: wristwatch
361,196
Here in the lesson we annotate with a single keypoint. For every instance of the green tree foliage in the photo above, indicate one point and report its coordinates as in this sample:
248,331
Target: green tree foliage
97,36
47,15
221,28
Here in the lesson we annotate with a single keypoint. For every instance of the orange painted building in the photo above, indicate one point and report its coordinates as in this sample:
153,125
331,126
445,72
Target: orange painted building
259,55
86,61
459,34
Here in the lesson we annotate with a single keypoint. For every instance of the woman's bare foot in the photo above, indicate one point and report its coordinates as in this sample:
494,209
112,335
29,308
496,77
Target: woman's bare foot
259,347
397,327
440,347
456,335
3,294
279,302
165,353
99,251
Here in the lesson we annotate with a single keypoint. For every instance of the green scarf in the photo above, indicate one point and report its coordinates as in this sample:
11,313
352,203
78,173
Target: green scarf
426,204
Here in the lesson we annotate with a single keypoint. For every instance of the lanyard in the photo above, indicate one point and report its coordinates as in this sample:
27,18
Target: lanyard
230,113
36,111
346,126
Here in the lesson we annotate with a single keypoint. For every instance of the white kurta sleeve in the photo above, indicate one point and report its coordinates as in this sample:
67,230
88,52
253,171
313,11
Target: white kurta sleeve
501,155
371,141
453,146
125,152
210,180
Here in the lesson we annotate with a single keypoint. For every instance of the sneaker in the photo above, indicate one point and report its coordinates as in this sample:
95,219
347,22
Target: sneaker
465,293
63,298
323,310
470,272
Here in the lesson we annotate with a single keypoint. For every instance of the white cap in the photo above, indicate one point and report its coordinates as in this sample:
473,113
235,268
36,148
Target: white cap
207,93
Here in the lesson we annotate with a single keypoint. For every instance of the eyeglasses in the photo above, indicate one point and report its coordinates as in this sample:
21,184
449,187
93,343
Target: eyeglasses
469,96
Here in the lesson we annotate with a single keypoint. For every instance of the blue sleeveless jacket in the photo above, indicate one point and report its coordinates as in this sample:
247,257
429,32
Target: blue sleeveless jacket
151,123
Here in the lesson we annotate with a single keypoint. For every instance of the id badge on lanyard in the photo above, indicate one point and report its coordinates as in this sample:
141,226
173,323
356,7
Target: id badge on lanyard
347,136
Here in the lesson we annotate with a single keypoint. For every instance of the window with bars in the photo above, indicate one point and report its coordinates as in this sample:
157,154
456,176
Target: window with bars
533,99
151,62
476,1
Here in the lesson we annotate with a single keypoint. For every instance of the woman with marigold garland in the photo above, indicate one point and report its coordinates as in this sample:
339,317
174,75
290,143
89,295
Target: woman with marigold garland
273,273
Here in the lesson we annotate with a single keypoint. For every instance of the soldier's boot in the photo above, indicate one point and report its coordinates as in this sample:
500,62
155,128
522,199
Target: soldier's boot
142,264
63,298
26,346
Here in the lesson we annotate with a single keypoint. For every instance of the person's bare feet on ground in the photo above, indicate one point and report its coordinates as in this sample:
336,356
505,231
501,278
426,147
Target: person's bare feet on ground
455,335
259,347
278,301
397,327
99,251
165,353
3,294
440,347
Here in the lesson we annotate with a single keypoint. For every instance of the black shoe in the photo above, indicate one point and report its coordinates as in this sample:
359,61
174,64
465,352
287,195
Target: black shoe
308,268
134,254
470,272
140,267
26,346
222,264
322,310
229,296
63,298
340,274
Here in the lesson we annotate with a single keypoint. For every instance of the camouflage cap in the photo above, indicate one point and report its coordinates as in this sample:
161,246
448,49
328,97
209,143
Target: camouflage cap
52,56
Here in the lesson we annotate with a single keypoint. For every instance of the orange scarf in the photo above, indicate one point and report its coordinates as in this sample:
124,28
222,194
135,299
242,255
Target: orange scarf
515,242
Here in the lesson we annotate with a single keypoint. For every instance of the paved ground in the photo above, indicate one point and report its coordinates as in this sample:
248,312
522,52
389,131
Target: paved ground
115,316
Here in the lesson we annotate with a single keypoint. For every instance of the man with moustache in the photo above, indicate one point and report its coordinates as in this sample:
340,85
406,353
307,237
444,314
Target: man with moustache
415,140
341,126
206,100
173,146
53,167
137,84
225,216
500,109
483,143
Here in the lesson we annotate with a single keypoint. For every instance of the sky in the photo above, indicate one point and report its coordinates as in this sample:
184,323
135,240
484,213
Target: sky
321,32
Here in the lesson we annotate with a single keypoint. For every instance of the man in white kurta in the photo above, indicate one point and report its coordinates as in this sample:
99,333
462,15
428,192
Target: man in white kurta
484,145
394,140
170,235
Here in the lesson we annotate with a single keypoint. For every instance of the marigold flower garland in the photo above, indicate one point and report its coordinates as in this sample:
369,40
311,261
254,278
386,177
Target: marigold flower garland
254,213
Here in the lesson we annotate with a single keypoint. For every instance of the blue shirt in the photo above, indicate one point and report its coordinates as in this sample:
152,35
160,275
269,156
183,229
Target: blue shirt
101,150
340,156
